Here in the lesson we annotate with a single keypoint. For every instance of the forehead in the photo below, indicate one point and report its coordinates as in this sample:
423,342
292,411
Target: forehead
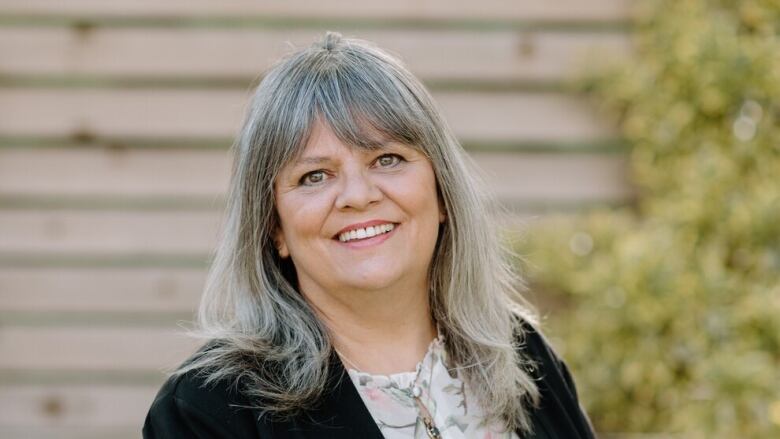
321,137
323,140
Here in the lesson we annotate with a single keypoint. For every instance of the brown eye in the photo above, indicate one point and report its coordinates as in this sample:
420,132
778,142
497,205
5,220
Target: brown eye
388,160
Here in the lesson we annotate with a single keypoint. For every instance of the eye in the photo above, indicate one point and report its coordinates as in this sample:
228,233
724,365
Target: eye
388,160
312,178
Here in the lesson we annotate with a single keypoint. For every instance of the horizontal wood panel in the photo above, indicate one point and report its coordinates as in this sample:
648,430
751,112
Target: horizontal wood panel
241,53
62,408
151,172
101,171
519,179
218,113
77,432
134,113
59,232
557,10
93,349
100,290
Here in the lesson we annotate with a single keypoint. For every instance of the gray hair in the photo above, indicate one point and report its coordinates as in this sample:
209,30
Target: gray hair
251,305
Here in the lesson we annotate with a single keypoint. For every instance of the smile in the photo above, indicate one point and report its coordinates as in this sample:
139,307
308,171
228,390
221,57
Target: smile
367,232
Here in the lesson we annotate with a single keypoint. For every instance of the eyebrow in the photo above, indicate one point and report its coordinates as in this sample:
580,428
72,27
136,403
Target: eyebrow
314,160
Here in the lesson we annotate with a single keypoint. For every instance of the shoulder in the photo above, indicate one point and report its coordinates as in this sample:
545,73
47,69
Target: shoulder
535,346
187,406
546,365
559,399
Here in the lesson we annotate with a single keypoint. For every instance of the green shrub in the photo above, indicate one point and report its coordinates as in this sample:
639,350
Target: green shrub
668,311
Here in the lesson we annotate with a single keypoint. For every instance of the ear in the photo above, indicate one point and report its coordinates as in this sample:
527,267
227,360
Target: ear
442,211
281,244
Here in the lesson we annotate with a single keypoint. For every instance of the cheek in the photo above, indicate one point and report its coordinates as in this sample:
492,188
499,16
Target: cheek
431,193
418,197
302,215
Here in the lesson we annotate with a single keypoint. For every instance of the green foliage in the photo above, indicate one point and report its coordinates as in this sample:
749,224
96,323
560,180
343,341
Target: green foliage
671,308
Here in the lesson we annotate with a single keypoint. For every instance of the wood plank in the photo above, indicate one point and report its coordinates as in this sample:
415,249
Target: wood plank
222,53
530,179
112,232
136,113
77,432
205,173
125,172
170,113
63,408
91,349
529,10
100,290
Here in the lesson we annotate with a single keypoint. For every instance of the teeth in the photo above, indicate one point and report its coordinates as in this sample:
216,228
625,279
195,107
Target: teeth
368,232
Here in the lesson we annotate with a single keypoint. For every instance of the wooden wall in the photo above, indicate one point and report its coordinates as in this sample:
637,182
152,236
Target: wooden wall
115,119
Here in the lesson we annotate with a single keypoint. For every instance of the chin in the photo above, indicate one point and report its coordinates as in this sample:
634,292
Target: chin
369,286
372,283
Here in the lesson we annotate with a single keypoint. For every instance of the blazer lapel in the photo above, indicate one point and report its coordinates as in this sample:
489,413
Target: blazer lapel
341,412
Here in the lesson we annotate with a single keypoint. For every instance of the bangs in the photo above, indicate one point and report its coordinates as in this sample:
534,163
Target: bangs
356,98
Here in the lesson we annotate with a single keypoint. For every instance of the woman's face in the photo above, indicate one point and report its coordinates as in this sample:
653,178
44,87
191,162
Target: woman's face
353,219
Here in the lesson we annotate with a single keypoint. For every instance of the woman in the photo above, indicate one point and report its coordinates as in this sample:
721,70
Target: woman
359,290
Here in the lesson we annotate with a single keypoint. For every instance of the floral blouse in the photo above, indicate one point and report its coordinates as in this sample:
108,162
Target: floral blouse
454,410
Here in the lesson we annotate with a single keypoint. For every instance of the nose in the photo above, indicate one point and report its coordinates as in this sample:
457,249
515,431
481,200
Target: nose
358,190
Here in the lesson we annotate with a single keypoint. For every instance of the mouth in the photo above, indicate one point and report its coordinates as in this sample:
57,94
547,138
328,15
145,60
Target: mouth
365,233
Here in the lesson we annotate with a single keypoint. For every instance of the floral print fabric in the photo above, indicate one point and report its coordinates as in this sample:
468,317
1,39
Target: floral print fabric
455,411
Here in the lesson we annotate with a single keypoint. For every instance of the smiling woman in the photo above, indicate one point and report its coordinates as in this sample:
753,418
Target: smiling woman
359,290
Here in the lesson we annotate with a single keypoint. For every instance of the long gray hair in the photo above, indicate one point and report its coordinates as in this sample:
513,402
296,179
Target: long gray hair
251,306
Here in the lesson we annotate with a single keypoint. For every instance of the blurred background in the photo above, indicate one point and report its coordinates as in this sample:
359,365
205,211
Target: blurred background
633,143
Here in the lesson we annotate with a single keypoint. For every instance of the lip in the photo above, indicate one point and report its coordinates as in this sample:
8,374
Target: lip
363,225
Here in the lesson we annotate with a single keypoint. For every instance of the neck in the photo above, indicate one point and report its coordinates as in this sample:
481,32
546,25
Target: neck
382,332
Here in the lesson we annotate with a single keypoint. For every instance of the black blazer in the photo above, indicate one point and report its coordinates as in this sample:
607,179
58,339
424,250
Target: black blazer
185,408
